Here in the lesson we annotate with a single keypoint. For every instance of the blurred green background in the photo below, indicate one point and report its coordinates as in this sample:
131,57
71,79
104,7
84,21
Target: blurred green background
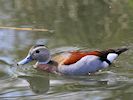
72,24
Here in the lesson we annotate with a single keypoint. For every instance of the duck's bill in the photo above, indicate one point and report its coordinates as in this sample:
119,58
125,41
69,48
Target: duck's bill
25,60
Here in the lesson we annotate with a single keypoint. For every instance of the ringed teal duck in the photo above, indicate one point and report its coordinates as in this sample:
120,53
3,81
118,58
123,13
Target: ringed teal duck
71,63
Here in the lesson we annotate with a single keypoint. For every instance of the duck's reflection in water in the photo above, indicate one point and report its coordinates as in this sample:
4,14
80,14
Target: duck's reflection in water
38,83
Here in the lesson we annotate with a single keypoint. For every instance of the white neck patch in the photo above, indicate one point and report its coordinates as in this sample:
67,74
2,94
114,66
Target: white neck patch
43,62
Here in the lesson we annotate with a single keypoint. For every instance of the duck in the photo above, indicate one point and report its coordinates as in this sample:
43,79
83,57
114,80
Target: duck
71,62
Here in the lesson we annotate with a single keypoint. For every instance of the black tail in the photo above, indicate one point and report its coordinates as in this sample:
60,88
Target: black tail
121,50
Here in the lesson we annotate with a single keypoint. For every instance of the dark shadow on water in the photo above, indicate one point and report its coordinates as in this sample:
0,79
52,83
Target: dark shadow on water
38,80
38,84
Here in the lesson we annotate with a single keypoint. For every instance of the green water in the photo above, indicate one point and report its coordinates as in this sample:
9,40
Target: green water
72,25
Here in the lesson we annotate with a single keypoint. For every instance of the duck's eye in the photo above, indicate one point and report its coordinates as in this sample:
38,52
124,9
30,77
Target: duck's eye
37,51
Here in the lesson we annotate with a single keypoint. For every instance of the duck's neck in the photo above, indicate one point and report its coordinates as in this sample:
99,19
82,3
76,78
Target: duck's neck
51,66
43,62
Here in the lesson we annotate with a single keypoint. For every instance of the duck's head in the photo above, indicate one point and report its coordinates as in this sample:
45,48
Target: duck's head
39,53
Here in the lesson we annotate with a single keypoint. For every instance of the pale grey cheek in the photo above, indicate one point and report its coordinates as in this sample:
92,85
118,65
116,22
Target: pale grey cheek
34,56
